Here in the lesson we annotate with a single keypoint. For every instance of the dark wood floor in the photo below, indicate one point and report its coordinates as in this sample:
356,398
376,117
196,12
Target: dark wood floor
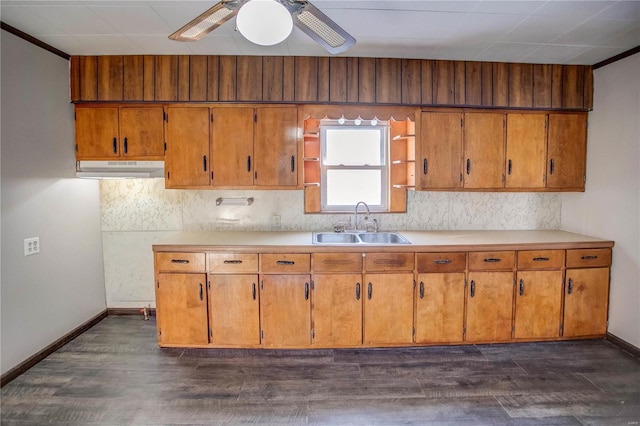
114,374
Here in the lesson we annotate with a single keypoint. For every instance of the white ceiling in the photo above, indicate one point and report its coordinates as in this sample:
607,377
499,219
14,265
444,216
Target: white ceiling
562,32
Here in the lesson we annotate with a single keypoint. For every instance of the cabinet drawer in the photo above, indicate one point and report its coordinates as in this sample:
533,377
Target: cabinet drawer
587,258
381,262
232,262
540,259
337,262
441,262
491,260
180,262
285,263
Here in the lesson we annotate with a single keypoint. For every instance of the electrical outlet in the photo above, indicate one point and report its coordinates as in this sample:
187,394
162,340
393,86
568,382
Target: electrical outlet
31,246
275,222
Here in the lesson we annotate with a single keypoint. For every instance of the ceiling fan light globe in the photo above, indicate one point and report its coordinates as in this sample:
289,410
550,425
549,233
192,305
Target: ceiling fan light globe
264,22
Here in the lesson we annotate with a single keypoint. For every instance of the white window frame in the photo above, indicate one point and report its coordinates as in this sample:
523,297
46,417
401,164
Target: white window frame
384,129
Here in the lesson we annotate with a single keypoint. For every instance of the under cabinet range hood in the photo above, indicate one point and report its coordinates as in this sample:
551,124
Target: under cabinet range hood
119,169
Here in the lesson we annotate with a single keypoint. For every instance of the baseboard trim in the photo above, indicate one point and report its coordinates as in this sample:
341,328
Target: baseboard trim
633,350
130,311
19,369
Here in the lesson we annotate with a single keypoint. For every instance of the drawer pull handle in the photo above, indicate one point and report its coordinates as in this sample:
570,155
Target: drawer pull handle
184,261
357,291
540,259
201,293
473,288
253,291
370,291
492,260
306,291
570,286
521,287
232,262
421,290
389,262
285,262
442,261
589,257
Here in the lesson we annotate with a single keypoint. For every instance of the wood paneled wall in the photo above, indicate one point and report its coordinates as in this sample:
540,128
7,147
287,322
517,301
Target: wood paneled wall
166,78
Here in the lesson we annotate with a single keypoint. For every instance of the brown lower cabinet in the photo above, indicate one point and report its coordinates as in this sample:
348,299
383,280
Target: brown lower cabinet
489,306
285,310
181,307
386,298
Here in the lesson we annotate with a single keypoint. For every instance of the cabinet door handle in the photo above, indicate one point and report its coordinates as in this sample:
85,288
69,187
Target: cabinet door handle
370,291
589,257
204,162
570,286
253,291
425,166
126,145
421,290
540,259
293,163
232,262
492,260
468,166
509,168
306,291
184,261
285,262
442,261
551,166
201,293
115,145
357,291
521,287
472,288
248,163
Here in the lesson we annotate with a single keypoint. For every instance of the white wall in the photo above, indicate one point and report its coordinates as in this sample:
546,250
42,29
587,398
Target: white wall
47,295
609,208
136,213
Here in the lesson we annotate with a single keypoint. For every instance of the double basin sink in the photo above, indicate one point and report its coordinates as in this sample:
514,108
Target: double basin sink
359,238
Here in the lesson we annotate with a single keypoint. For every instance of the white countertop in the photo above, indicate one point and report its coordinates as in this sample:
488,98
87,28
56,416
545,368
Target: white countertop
204,240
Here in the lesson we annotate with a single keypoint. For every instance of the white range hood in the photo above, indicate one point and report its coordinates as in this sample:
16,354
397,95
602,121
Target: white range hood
119,169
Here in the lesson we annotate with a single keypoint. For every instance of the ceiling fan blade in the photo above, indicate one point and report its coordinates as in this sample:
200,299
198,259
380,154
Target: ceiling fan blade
321,28
208,21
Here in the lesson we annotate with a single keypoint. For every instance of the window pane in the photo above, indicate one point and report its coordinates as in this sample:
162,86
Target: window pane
347,187
353,147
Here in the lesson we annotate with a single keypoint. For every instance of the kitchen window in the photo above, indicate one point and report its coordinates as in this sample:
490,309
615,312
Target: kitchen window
354,165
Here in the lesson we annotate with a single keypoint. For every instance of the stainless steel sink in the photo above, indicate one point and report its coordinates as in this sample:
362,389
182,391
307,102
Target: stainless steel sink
335,238
383,238
359,238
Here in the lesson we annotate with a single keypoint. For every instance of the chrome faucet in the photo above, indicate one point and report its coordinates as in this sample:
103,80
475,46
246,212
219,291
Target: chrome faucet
356,213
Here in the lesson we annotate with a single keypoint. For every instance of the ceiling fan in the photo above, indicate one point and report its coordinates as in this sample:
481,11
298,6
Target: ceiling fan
268,22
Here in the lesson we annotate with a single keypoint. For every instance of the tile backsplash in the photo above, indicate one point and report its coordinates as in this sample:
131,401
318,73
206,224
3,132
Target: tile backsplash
136,213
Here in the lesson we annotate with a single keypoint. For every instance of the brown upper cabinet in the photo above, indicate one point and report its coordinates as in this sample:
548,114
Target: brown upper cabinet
111,132
228,147
502,151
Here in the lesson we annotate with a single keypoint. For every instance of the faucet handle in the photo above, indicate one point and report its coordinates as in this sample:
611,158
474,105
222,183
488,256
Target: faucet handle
371,226
339,227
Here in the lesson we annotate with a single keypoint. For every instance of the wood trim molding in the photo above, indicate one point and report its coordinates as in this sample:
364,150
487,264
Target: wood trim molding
617,58
16,371
623,344
31,39
130,311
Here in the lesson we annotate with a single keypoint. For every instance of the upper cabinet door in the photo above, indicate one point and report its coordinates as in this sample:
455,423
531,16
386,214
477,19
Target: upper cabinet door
484,150
526,150
187,156
141,132
567,152
232,157
276,146
439,164
97,133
